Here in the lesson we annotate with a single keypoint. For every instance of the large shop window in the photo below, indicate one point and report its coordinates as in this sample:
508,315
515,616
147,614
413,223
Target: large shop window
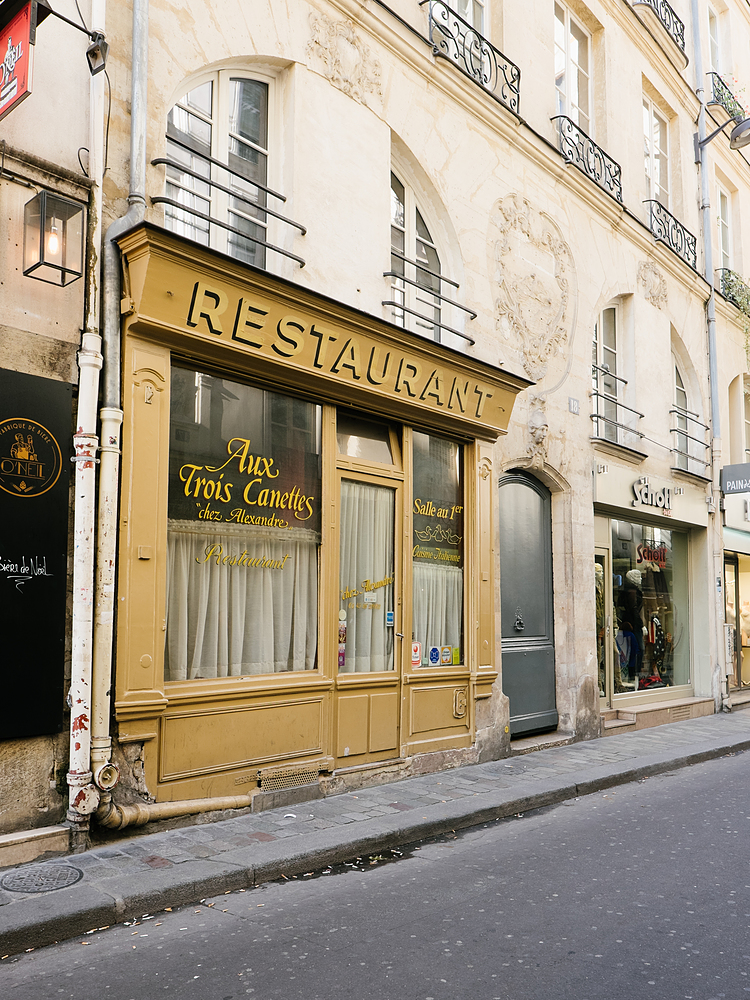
650,598
438,550
243,530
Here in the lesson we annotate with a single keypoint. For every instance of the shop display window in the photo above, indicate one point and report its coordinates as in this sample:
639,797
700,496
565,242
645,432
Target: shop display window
650,607
243,529
438,551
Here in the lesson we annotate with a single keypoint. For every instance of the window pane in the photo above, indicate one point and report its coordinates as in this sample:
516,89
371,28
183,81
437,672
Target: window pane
579,47
397,202
609,332
243,530
201,98
365,439
650,597
248,115
438,550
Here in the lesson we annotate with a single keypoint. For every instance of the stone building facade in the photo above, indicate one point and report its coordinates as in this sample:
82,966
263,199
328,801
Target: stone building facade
409,331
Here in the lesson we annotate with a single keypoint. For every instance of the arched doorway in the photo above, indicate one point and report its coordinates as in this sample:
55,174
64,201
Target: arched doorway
528,649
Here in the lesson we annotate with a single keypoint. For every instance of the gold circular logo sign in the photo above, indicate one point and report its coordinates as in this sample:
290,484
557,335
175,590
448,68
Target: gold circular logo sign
30,458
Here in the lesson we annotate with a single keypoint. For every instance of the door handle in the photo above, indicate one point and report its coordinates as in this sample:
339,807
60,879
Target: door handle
399,635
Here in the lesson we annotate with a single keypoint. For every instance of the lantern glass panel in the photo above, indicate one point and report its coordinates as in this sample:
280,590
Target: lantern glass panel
53,239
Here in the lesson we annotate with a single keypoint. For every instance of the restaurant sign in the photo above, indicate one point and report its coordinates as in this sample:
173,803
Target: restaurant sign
35,447
17,61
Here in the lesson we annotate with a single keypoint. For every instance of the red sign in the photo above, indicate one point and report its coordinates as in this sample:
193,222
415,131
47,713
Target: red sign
16,61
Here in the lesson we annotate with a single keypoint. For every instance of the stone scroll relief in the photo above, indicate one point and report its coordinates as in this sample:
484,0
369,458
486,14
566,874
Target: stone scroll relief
346,60
534,282
654,286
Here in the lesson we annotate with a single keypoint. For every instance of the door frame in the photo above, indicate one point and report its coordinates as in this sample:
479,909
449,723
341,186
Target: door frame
378,683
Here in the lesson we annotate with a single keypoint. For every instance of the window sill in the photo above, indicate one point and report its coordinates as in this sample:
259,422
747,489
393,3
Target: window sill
619,451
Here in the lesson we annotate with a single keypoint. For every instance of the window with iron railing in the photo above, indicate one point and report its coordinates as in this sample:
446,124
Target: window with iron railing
612,419
689,445
422,297
217,191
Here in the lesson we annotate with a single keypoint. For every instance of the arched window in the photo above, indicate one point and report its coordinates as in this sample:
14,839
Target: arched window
217,166
415,265
604,377
681,419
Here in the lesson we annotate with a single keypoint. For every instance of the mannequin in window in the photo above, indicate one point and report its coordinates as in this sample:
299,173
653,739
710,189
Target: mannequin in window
630,609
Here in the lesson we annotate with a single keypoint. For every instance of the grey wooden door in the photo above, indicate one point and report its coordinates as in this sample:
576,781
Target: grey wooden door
528,649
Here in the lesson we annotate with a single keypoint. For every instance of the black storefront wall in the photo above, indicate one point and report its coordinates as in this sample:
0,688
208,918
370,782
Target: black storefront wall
35,450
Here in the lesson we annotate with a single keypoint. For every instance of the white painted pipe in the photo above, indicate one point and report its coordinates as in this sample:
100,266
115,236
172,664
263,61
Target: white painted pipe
105,773
83,797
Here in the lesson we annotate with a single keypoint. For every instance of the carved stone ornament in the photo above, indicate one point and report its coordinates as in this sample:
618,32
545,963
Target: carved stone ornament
535,282
654,285
538,427
347,62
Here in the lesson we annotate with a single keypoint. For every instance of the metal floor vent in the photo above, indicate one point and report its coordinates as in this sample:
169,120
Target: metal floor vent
41,878
274,781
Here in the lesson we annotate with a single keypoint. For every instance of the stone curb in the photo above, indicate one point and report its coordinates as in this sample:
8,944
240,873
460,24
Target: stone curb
47,919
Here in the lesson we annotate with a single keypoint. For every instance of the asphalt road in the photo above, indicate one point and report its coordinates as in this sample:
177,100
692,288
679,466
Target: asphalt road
642,891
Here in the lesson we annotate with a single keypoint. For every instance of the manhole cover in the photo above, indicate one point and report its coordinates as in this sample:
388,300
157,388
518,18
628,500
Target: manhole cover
41,878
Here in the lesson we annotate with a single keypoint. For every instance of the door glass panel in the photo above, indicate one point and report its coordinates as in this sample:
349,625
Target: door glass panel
730,608
437,551
366,574
365,439
601,623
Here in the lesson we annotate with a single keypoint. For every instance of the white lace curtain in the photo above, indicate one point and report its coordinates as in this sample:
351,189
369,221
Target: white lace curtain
230,620
438,605
366,554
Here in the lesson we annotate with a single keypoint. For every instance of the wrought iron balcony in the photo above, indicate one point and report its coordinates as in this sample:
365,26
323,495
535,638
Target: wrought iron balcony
734,289
579,149
196,195
455,39
721,94
669,19
691,450
613,420
418,301
666,229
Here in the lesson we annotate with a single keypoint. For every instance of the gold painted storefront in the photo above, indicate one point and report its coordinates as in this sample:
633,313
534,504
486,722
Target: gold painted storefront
306,575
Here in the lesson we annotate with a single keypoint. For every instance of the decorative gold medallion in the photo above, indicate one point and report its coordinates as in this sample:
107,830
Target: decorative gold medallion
30,458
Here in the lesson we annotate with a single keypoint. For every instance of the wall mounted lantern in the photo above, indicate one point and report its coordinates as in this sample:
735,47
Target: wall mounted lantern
53,239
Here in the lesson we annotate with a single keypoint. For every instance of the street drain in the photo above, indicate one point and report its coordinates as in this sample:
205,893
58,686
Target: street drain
41,878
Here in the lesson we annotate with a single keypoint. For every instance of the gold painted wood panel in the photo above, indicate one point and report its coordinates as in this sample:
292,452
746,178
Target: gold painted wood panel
353,712
200,742
432,709
383,721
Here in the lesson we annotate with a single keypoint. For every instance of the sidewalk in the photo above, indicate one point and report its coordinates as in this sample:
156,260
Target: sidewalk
148,872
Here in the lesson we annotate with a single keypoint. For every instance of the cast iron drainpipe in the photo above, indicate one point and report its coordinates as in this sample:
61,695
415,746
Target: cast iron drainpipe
721,687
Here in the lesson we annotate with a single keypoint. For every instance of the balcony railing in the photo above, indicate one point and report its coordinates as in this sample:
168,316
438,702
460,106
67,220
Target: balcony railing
672,24
423,309
196,194
691,450
579,149
455,39
734,289
721,94
666,229
613,421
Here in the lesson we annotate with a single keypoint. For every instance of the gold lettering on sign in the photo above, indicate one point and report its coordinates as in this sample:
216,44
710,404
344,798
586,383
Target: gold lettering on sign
349,357
208,303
